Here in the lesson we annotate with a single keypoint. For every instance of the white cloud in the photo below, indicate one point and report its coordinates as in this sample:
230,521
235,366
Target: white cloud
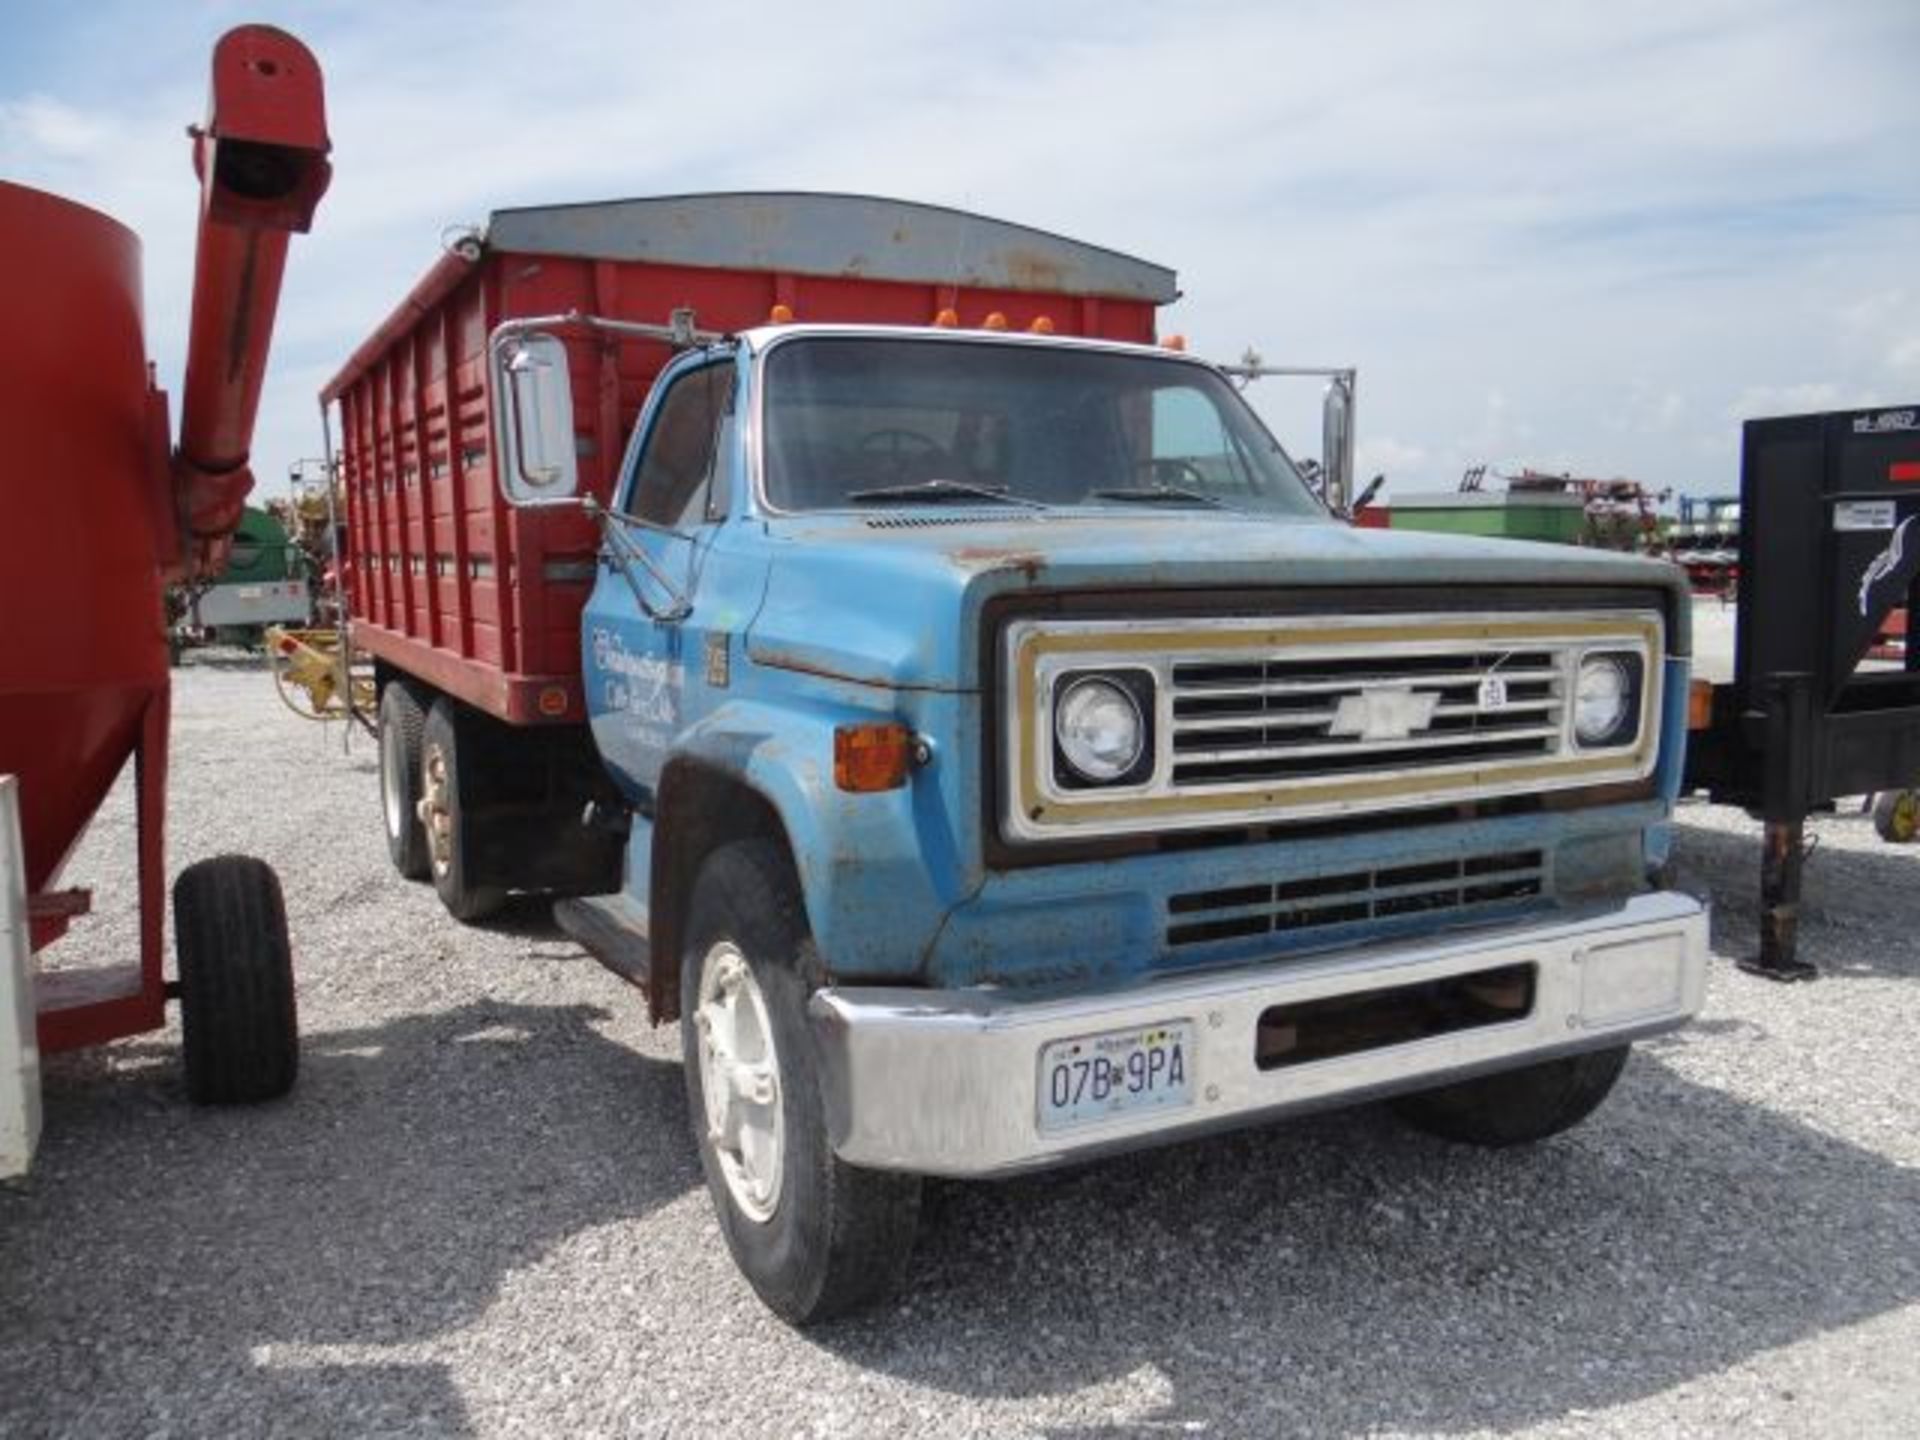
1650,408
56,131
1384,455
1795,399
1622,225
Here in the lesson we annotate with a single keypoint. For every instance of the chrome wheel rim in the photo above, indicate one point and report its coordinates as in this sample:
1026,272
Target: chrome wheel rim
740,1081
432,810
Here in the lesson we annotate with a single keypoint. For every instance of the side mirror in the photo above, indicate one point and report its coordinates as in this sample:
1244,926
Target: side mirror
537,462
1336,442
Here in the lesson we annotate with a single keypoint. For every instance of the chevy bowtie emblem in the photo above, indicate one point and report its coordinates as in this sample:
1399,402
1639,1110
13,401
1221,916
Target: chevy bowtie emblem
1384,713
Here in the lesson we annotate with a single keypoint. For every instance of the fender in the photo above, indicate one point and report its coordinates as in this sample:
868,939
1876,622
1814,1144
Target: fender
872,902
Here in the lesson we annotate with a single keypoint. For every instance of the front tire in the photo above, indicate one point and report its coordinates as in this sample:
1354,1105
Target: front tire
445,784
240,1036
403,719
814,1236
1517,1107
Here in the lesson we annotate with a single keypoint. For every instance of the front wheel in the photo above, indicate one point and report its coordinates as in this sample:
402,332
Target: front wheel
814,1236
1517,1107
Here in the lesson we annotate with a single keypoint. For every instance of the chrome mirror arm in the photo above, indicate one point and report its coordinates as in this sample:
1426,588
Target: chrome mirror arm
626,555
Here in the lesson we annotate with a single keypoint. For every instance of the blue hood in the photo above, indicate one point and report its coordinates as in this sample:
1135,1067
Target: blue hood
889,599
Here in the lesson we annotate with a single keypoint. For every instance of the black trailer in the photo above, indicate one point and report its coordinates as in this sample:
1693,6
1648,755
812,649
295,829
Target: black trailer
1817,711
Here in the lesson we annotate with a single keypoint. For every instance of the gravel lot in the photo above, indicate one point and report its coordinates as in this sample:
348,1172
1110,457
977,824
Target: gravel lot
481,1211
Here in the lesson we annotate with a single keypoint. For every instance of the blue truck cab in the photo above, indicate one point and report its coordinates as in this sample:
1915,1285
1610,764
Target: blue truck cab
1018,763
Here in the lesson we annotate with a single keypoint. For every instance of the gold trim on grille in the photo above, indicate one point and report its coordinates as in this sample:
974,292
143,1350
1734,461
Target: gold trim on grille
1036,814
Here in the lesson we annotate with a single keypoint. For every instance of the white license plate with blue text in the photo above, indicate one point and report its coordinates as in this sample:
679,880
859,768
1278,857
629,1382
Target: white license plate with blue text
1115,1073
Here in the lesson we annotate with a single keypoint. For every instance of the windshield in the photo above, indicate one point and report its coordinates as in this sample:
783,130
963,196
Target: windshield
852,421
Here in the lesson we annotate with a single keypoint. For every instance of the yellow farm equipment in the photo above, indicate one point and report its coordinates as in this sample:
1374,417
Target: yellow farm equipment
316,678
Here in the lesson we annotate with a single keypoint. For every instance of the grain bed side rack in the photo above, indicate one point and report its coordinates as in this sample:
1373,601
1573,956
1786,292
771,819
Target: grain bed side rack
447,582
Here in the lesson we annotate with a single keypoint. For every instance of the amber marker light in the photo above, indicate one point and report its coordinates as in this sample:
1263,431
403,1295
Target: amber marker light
780,315
1042,325
995,321
871,757
946,320
1699,704
1175,342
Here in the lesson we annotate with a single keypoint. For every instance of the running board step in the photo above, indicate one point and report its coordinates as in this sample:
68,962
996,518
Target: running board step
608,930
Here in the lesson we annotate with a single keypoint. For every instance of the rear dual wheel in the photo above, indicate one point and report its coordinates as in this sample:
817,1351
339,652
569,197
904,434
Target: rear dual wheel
424,782
445,784
403,721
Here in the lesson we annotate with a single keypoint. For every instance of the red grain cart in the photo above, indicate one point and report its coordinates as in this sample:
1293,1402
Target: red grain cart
84,687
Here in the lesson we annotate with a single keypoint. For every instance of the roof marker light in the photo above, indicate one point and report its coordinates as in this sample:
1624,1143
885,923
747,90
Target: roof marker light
995,321
780,315
946,319
1042,325
1175,342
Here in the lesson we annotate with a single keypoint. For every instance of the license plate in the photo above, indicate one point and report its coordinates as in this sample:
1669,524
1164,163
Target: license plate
1117,1072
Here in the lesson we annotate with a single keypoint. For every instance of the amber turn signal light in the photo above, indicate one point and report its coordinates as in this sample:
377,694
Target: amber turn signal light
1699,704
871,757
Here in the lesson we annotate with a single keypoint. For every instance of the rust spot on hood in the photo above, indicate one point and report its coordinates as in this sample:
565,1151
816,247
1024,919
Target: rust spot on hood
1000,557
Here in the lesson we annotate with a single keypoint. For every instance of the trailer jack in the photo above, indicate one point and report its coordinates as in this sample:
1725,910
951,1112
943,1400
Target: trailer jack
1781,866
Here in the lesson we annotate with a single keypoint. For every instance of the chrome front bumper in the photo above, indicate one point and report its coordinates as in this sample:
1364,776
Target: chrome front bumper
945,1082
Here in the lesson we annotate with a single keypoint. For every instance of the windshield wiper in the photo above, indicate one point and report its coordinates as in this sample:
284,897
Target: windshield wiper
940,491
1157,495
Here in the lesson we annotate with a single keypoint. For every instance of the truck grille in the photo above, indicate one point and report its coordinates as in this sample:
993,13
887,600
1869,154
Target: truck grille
1455,885
1275,719
1256,721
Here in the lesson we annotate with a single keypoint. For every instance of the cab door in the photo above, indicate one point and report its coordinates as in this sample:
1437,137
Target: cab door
643,652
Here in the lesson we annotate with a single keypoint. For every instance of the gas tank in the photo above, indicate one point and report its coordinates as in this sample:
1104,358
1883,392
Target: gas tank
83,646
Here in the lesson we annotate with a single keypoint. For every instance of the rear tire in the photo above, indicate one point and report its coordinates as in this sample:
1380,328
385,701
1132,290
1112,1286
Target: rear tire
1517,1107
445,786
814,1236
241,1039
403,719
1896,816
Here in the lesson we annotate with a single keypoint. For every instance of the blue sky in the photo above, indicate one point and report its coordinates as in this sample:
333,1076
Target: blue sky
1573,237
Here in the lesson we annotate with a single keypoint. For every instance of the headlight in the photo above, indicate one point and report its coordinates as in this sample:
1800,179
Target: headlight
1606,700
1100,726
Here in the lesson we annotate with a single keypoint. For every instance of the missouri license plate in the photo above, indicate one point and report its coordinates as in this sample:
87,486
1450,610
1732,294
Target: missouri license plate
1114,1073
